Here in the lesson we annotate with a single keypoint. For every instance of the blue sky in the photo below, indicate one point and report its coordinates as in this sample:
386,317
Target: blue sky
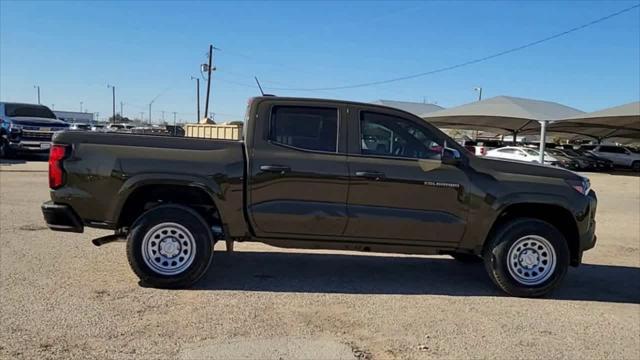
150,49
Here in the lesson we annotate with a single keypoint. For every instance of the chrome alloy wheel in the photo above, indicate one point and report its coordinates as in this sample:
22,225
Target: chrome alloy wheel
531,260
168,248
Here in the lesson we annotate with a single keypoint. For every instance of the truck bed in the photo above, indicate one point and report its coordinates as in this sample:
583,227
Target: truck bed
103,169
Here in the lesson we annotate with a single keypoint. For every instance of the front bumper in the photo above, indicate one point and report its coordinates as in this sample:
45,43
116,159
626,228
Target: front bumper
30,146
587,229
61,217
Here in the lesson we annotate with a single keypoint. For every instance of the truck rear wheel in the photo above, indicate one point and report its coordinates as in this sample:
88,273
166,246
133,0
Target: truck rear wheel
527,257
170,246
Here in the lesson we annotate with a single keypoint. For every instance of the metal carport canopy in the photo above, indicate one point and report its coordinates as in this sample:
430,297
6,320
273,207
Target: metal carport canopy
619,122
503,115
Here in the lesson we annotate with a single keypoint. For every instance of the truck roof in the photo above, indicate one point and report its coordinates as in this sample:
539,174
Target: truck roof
344,102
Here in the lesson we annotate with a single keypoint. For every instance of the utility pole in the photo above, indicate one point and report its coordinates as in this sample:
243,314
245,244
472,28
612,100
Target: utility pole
80,106
53,106
209,69
121,109
113,91
97,116
151,103
479,90
197,96
142,116
162,116
37,87
174,123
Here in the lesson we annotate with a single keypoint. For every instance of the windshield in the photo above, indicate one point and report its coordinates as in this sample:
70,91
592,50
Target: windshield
22,110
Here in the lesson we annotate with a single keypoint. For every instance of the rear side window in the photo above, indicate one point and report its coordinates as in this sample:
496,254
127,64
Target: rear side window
309,128
508,151
612,149
38,111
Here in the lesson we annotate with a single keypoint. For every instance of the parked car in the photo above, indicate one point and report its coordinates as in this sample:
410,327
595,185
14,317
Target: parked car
563,159
481,147
601,163
584,162
521,154
620,156
97,127
80,126
119,127
27,128
300,179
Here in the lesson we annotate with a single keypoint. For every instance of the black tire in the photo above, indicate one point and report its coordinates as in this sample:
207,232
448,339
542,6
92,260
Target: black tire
635,166
497,249
191,224
6,152
466,258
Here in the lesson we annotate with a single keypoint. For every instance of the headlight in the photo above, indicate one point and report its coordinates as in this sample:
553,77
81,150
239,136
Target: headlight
582,186
14,128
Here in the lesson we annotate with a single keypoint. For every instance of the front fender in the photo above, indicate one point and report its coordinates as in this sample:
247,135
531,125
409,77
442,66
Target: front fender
483,219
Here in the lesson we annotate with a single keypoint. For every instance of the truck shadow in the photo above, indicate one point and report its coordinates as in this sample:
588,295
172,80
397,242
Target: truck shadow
366,274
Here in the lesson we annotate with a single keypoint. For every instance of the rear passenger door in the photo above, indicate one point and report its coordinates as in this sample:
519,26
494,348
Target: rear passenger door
298,176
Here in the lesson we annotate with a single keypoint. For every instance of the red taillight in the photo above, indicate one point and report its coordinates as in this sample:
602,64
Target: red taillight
56,173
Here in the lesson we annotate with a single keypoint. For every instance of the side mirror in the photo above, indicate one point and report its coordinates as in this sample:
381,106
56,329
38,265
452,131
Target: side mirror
451,156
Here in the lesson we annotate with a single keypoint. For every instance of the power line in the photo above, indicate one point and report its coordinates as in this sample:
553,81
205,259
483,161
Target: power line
466,63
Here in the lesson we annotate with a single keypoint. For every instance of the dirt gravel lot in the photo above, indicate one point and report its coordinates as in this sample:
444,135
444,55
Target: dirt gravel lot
61,297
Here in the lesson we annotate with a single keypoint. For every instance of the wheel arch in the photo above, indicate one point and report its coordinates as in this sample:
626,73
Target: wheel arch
137,192
555,214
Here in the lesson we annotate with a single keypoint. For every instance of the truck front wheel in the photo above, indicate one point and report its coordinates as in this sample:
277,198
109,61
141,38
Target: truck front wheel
527,257
170,246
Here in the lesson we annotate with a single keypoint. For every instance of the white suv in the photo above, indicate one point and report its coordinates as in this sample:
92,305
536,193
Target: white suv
618,154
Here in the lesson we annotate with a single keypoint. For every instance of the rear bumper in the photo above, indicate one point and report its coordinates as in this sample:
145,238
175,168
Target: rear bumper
61,217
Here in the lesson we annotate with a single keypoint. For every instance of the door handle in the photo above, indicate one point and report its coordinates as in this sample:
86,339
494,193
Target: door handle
275,168
374,175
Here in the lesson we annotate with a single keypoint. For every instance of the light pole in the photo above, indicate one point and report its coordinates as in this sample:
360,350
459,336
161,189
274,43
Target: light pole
197,96
151,103
80,106
479,90
53,106
38,89
113,91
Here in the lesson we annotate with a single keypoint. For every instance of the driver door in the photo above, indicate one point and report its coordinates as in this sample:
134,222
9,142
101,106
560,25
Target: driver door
399,189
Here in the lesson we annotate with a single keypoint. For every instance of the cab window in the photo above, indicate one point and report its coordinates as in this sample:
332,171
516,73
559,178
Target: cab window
387,135
309,128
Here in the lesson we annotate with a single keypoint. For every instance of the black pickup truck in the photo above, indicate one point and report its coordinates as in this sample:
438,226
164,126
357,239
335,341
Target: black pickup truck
321,174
